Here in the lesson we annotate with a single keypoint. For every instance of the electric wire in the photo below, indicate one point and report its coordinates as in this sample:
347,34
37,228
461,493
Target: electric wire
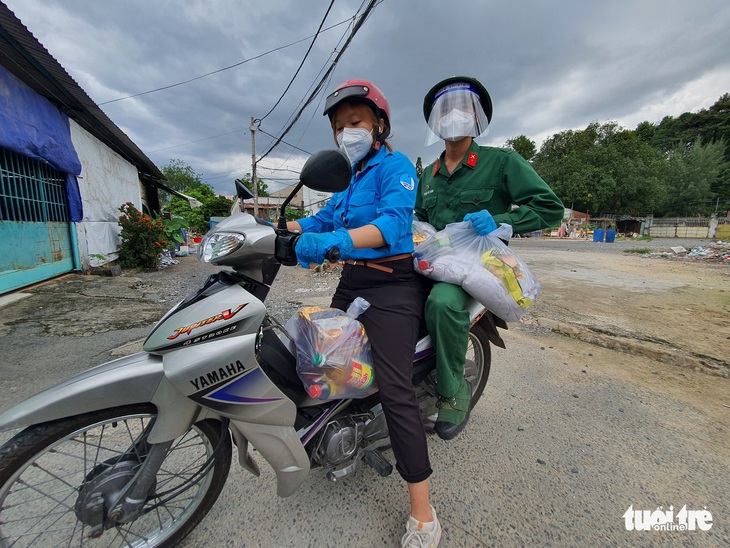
316,34
311,86
311,118
221,69
288,144
320,86
198,141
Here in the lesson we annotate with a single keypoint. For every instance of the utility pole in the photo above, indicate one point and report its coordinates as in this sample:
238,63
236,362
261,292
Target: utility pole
254,184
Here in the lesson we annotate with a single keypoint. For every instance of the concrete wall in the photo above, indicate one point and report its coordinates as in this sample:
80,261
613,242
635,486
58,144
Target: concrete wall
678,232
315,200
107,181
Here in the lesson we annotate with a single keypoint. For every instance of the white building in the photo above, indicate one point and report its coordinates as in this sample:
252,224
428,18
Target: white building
60,187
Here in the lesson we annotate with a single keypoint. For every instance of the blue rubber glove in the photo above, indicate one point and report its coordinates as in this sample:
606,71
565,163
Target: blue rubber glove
482,221
311,248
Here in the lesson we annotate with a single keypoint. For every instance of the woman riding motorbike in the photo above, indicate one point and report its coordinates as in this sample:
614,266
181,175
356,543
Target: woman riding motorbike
370,223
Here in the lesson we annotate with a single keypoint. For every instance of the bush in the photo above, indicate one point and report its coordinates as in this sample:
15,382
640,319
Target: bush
142,239
172,229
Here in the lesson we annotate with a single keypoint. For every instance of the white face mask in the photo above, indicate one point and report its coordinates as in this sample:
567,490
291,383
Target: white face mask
355,142
456,125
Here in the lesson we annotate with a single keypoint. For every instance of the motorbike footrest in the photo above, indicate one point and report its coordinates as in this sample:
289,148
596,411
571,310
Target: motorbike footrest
379,463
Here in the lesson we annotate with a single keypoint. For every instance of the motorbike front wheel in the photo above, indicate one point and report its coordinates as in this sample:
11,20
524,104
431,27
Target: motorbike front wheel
52,474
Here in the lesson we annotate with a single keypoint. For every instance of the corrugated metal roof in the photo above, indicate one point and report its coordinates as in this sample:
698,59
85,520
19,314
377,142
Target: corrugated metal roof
26,58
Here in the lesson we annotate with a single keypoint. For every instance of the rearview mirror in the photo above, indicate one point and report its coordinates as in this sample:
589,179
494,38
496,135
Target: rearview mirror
326,171
242,191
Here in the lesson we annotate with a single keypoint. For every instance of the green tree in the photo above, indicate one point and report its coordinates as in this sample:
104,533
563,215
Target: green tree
603,168
707,126
263,188
181,177
195,217
692,174
523,146
293,213
217,206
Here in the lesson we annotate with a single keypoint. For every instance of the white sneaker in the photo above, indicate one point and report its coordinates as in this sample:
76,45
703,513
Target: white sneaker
417,537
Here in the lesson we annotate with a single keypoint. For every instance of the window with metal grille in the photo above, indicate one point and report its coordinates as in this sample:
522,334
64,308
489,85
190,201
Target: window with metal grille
31,190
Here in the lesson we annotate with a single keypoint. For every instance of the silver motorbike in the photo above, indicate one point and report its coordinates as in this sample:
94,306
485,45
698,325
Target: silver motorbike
135,452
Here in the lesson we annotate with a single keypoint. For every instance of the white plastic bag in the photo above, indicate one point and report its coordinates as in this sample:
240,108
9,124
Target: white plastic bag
482,265
334,357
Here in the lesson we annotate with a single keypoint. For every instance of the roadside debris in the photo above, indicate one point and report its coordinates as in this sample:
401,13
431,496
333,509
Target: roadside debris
718,251
166,259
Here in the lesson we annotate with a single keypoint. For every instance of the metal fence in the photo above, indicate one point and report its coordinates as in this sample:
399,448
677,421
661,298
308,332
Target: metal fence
31,190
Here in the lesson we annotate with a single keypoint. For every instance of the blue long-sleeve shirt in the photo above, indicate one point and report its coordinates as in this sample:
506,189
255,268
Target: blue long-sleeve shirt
383,194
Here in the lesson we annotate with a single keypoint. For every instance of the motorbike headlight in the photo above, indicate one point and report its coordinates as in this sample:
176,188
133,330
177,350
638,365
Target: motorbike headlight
219,245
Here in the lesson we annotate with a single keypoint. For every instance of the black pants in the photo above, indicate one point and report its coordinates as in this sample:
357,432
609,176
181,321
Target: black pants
391,323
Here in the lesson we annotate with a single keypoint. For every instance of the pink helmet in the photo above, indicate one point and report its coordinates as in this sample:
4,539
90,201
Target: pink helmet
360,91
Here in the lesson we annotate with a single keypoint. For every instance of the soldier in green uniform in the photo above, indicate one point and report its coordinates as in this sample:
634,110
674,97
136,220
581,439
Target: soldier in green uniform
486,186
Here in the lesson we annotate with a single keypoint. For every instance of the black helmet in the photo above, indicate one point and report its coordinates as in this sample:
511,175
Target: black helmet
481,91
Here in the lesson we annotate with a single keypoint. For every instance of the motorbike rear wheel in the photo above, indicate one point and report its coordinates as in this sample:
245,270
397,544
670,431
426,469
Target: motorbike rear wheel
50,472
478,362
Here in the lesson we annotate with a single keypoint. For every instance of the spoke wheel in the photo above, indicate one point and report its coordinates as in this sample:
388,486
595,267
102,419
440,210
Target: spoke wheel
51,473
478,361
477,366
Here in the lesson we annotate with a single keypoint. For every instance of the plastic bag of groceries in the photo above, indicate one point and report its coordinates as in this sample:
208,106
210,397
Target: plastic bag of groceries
482,265
334,358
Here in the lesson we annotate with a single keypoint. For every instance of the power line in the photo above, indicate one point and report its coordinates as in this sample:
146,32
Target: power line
319,31
324,66
322,71
198,141
222,69
316,34
288,144
319,86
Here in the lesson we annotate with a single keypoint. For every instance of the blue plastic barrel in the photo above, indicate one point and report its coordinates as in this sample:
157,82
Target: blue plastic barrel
610,235
598,235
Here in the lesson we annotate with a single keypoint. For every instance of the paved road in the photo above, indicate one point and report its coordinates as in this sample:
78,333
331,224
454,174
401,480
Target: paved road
555,454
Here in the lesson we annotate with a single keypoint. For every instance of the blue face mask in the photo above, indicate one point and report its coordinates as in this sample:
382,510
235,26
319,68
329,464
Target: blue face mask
355,143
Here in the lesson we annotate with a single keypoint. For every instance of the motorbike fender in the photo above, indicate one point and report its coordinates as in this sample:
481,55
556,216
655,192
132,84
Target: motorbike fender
490,323
282,449
124,381
478,313
132,379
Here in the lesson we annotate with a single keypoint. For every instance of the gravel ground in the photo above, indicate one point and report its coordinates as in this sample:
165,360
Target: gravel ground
296,287
567,437
293,288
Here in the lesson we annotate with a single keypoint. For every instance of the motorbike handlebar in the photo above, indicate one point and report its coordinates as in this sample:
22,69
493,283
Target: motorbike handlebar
286,242
333,255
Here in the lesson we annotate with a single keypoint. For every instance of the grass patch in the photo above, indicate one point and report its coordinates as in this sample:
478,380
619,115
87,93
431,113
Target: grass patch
643,239
639,250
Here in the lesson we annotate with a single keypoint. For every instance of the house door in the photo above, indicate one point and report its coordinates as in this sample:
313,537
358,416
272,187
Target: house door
35,238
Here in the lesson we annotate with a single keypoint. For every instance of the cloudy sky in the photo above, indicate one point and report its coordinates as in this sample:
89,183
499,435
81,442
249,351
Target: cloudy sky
549,66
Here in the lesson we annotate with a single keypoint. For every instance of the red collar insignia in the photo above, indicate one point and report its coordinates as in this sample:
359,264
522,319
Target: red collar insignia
435,168
471,160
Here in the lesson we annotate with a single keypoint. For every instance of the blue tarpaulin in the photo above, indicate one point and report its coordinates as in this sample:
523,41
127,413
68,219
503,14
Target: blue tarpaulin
30,125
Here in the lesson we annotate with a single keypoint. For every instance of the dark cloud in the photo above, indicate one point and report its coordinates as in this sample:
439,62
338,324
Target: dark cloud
549,66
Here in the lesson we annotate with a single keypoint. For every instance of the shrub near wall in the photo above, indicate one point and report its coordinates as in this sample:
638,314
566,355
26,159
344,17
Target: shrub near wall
142,239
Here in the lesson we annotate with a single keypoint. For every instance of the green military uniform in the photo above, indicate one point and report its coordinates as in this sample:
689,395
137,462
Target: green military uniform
502,182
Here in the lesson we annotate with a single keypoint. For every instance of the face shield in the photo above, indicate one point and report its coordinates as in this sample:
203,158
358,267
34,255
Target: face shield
456,113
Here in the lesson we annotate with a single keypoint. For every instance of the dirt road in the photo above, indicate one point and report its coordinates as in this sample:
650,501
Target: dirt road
609,396
675,311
